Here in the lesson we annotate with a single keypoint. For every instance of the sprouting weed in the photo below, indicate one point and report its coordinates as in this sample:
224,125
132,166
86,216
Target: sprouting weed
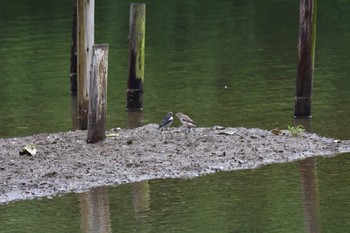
296,131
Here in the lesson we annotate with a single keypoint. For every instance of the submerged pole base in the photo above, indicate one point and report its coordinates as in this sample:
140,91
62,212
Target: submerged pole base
302,107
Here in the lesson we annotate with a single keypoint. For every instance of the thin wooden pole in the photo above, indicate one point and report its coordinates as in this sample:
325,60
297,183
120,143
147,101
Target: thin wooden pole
306,58
136,56
74,113
85,40
98,94
73,54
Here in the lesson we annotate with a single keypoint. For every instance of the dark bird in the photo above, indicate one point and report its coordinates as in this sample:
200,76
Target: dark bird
166,121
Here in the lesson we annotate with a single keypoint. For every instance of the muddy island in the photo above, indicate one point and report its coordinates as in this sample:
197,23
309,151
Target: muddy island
65,162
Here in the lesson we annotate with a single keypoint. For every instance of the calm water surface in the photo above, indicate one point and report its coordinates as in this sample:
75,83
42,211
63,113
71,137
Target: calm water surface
194,49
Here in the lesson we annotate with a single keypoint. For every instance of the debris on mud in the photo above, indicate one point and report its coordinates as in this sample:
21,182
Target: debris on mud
64,162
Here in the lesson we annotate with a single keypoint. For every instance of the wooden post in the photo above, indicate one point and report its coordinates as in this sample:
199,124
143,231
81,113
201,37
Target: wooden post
136,56
74,113
73,53
85,40
98,94
306,58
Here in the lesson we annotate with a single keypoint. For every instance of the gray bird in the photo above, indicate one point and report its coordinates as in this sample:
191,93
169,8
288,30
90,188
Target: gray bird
186,120
166,121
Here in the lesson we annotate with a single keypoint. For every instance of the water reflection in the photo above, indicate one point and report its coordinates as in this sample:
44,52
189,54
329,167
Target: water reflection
94,209
310,195
135,119
308,168
141,204
305,122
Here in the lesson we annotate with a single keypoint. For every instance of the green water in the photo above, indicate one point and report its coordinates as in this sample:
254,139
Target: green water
193,50
304,196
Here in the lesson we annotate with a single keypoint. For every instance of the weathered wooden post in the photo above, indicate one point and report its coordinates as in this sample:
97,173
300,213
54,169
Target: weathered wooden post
306,58
74,113
73,53
85,40
98,94
136,56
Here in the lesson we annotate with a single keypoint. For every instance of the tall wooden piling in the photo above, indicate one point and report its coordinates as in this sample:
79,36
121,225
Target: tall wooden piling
73,55
98,94
85,40
306,58
136,56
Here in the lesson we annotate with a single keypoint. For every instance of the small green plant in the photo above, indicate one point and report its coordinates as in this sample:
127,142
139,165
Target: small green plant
296,131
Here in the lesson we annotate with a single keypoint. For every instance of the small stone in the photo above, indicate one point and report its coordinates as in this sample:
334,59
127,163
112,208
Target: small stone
276,131
129,142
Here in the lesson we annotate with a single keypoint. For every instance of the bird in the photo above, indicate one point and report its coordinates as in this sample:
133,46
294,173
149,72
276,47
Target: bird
166,121
186,120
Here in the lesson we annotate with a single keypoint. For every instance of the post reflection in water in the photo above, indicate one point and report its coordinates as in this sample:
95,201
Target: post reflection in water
135,119
94,209
305,122
310,195
309,185
141,203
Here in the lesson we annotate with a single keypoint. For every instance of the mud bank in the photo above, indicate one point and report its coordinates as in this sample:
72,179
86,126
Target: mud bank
64,162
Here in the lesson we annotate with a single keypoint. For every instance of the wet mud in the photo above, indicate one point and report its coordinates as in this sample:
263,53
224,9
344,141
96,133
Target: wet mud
65,162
